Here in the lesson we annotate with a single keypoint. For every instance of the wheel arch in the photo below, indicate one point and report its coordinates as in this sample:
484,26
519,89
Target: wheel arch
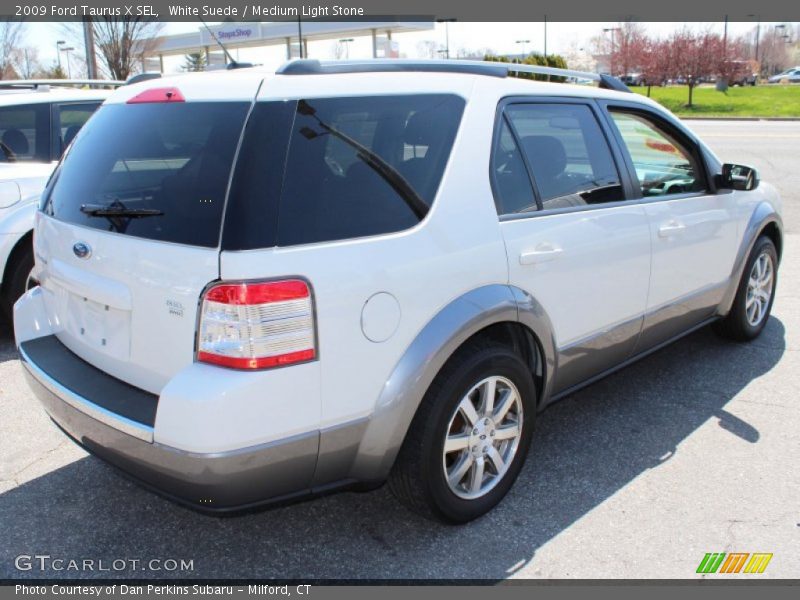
14,251
501,312
764,221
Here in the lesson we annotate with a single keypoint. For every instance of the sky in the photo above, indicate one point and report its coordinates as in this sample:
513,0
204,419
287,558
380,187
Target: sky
500,37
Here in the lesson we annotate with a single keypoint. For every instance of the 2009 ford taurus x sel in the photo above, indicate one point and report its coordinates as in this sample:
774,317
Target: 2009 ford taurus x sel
255,286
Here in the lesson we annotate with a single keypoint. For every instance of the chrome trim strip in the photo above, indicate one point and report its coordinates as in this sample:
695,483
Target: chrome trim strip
98,413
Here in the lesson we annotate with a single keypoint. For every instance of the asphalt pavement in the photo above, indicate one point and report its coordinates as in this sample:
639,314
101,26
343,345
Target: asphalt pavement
694,449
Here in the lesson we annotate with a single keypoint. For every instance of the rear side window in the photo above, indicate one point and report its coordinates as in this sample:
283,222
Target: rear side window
158,171
354,167
25,133
568,154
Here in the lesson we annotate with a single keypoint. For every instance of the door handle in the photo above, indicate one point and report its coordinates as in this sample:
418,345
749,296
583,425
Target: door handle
543,252
671,228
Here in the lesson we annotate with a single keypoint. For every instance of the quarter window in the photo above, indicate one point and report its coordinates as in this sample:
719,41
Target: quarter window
512,185
663,164
568,154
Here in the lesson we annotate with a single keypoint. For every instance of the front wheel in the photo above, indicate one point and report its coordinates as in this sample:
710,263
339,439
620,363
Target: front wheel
755,295
470,436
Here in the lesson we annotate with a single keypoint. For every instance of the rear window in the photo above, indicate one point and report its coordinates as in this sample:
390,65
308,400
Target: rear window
317,170
158,171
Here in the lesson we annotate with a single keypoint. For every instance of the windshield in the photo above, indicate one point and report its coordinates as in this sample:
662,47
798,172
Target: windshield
158,171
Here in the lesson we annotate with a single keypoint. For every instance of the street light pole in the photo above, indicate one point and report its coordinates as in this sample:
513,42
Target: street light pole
446,35
69,68
523,42
545,40
612,30
59,43
346,42
300,35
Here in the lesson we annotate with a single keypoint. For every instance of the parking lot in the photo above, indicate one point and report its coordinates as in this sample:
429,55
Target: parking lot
694,449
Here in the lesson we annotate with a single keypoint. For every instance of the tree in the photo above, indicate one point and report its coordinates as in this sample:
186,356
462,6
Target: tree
55,71
26,62
579,59
551,60
195,61
658,63
10,37
695,55
629,48
427,49
121,44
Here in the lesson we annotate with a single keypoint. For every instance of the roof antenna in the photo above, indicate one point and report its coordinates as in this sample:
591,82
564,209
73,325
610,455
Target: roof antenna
232,63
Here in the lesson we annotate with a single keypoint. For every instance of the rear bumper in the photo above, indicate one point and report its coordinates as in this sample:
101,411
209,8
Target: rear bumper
220,482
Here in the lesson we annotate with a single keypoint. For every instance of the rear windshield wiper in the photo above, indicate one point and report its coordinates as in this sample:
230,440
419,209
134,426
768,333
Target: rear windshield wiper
372,160
116,210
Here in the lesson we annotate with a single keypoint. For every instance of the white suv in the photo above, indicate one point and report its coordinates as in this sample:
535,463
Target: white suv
259,286
38,119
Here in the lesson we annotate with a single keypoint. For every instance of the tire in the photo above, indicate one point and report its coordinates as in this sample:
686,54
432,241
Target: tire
750,310
18,273
418,478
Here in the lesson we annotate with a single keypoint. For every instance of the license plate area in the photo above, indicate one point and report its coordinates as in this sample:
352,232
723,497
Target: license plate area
101,327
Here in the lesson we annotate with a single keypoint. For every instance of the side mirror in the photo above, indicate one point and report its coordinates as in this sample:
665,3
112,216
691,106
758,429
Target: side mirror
738,177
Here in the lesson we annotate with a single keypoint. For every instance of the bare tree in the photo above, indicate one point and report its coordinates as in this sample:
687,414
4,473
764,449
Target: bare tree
26,62
121,43
10,37
427,49
339,50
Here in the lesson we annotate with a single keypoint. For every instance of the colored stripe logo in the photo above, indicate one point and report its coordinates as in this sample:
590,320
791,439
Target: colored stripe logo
734,562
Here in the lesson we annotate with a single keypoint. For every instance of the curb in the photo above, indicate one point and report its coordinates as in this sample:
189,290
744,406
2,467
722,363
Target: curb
693,118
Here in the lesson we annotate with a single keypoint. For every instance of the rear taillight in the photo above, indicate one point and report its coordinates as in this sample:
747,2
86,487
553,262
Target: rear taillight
257,325
157,95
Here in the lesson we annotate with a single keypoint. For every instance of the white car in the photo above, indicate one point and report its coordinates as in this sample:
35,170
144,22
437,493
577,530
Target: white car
257,286
787,76
37,121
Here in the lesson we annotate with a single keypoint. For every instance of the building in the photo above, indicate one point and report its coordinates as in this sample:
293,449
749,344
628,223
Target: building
286,33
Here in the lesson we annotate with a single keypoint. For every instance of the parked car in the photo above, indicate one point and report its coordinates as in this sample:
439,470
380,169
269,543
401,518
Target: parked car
258,286
742,73
37,121
788,76
634,79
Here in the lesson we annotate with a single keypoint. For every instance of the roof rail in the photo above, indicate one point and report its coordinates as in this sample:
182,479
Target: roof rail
46,83
474,67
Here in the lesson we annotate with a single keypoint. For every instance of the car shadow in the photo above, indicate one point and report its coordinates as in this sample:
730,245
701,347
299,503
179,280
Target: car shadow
587,447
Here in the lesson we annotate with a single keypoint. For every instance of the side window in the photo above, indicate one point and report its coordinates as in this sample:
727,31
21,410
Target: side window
25,132
663,164
512,186
71,119
568,154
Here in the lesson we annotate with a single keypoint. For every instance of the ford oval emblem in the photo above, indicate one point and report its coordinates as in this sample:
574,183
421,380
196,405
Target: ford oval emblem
82,250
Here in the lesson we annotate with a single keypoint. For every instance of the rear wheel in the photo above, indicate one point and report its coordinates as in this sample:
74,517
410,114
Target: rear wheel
19,278
755,295
470,436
